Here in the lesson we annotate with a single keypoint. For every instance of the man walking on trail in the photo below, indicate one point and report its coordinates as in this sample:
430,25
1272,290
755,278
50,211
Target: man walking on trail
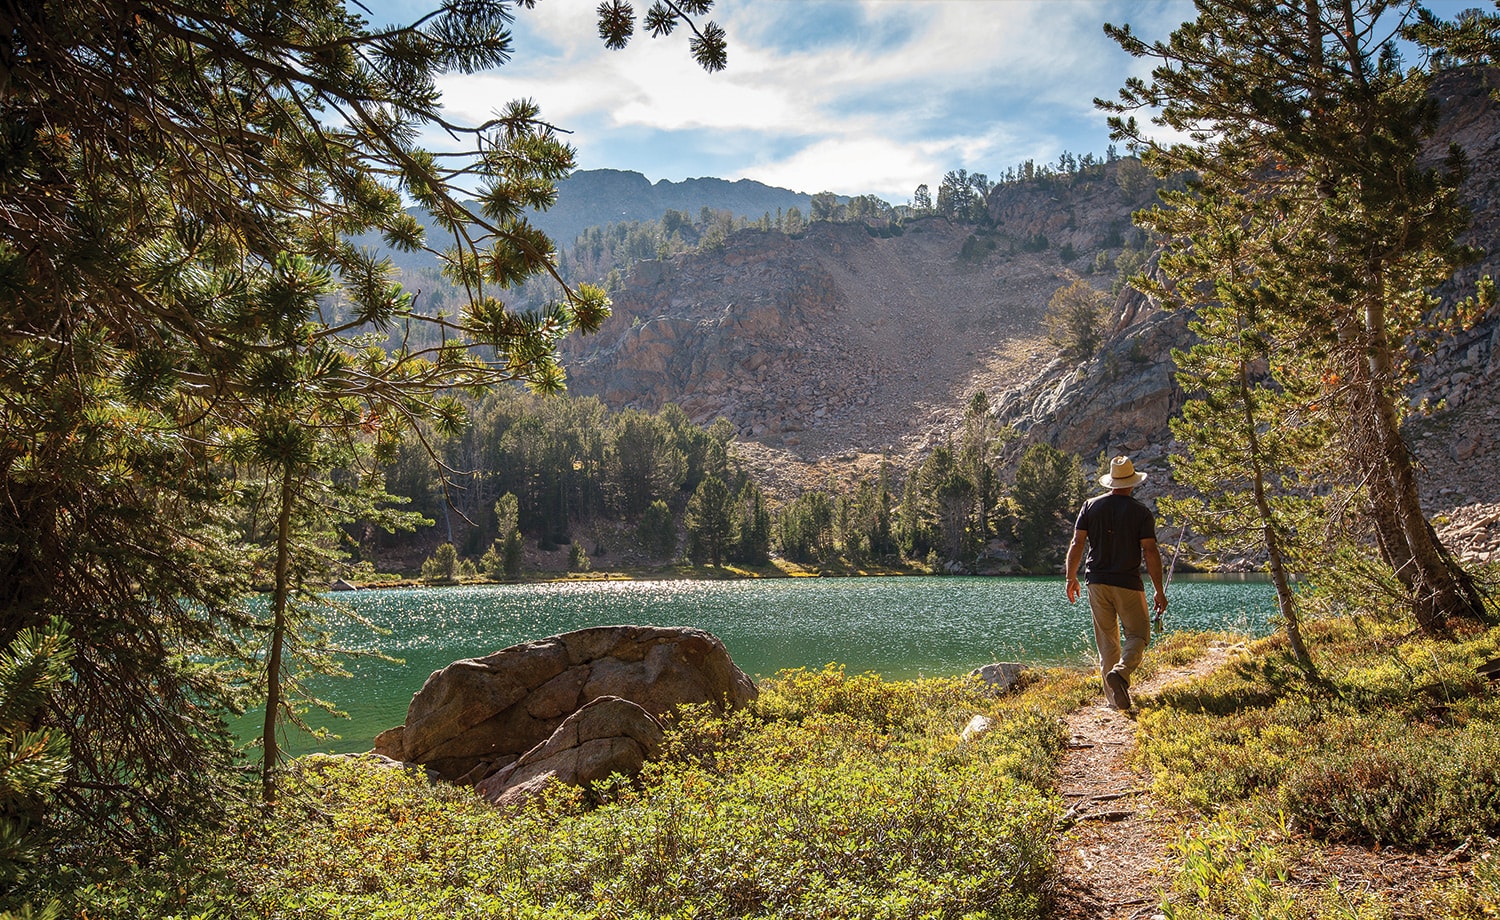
1119,532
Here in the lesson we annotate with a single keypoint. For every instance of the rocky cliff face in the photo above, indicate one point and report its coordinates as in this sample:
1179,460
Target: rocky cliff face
1119,401
850,343
1458,445
842,341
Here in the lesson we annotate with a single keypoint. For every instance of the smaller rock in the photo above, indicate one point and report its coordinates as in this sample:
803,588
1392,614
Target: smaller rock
609,735
318,763
977,726
1002,676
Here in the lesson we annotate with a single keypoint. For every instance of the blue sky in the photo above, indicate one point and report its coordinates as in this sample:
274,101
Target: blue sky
849,96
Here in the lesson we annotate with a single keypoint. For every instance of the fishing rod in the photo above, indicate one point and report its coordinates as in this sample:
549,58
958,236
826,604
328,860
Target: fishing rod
1156,620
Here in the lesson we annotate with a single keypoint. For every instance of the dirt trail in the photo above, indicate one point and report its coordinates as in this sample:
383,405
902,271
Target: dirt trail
1112,855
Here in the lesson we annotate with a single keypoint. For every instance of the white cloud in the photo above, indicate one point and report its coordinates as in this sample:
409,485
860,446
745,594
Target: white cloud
849,166
853,96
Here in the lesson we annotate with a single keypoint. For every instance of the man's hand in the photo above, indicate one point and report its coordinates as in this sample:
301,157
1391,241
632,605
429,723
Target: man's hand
1075,560
1161,601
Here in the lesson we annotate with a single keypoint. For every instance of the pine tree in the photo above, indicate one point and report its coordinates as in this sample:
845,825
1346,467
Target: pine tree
1048,486
503,558
954,504
711,521
804,528
657,529
1075,318
977,454
864,520
33,761
180,184
1257,418
1302,109
645,462
442,565
753,546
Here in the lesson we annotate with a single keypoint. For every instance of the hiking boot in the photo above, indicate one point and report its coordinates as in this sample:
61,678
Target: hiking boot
1117,689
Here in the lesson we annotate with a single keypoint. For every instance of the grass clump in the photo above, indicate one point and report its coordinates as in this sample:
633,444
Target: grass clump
835,796
1230,869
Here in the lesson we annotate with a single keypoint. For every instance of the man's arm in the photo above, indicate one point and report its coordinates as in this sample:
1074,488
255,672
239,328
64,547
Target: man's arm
1075,559
1153,568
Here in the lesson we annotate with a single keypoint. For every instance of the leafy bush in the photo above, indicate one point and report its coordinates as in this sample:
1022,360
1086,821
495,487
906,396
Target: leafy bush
1408,785
1228,869
1401,706
1397,744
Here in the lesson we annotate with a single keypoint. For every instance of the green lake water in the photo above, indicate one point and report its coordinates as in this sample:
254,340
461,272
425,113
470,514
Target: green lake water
899,627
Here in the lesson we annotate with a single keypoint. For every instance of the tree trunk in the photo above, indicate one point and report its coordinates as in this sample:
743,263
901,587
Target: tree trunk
1439,587
271,753
1286,602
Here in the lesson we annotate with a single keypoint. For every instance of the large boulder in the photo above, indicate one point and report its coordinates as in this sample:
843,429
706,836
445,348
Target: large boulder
608,735
481,714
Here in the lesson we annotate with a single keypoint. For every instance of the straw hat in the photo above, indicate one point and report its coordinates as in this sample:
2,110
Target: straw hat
1122,475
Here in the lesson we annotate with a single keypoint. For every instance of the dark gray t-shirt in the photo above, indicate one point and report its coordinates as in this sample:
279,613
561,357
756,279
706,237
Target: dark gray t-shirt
1116,525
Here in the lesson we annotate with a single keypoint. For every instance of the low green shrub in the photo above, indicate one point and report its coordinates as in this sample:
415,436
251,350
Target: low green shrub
1395,742
835,796
1228,870
1472,896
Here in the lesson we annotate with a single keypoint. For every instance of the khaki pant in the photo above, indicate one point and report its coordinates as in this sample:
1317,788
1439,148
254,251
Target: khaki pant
1116,611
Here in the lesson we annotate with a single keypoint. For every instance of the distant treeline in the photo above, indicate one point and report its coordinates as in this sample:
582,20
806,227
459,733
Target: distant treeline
551,467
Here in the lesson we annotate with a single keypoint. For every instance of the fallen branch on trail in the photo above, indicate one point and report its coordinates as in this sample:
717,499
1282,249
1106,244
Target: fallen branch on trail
1075,811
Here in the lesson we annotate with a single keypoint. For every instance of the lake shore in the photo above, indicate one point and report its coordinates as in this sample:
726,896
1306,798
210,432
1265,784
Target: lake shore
894,626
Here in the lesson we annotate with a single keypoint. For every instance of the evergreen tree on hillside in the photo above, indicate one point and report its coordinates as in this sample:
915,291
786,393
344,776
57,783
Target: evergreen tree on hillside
711,521
921,201
657,529
954,504
1075,318
753,528
915,530
978,451
1048,487
645,463
865,520
1302,111
804,528
503,558
963,196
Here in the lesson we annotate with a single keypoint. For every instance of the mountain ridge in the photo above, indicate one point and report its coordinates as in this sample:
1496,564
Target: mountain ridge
599,197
